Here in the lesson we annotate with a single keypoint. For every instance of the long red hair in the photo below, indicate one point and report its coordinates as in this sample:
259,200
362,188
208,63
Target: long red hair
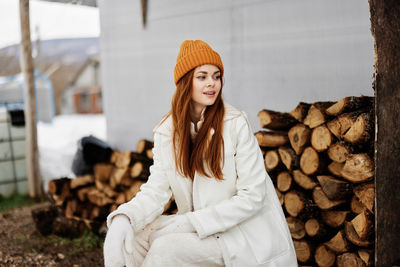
205,154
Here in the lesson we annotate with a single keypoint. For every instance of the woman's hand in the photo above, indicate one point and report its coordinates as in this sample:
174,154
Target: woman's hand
178,224
119,236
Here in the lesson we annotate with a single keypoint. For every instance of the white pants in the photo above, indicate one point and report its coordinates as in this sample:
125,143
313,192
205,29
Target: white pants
176,249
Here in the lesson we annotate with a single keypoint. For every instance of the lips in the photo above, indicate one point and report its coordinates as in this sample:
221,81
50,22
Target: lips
209,93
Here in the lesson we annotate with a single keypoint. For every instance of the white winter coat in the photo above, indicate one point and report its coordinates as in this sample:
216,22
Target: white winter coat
242,211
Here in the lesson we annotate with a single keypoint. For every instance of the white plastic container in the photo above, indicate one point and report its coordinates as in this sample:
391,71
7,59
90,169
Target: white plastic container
13,178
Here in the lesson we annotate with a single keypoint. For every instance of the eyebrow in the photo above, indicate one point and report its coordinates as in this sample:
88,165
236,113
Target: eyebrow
205,72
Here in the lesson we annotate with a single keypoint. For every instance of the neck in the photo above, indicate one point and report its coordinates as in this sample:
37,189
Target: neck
195,113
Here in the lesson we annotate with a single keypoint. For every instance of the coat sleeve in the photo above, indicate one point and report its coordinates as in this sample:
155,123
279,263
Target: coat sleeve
153,195
250,187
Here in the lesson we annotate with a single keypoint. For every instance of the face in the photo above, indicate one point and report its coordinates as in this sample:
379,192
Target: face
206,85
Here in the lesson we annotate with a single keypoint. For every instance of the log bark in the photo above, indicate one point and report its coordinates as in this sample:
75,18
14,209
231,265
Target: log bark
273,120
335,189
299,137
321,138
324,256
271,139
358,168
334,218
43,217
349,260
300,112
288,158
322,201
303,180
67,227
350,103
316,114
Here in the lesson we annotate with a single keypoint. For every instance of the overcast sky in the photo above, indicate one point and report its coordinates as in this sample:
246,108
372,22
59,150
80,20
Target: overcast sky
54,20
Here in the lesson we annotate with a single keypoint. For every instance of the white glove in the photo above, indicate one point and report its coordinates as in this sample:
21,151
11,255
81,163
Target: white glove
119,236
178,224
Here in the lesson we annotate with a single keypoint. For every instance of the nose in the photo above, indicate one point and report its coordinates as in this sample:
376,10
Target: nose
210,82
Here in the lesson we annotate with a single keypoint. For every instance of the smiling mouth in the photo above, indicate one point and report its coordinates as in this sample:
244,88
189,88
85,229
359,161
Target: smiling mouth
209,93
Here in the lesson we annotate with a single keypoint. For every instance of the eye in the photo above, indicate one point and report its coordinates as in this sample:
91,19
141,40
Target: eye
217,77
201,77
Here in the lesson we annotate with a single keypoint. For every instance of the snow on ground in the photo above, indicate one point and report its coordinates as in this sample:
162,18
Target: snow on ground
58,142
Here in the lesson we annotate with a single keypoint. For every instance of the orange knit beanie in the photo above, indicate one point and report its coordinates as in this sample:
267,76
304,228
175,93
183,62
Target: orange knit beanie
193,54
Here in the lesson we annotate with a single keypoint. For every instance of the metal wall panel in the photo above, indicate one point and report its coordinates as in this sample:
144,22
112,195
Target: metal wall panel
276,53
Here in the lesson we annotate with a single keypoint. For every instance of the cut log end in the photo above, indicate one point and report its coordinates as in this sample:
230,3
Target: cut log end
309,161
324,256
358,168
321,138
299,137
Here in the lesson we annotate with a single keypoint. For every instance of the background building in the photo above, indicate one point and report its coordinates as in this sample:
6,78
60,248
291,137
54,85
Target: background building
275,54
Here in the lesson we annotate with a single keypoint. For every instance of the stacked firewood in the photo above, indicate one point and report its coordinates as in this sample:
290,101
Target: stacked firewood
320,158
91,197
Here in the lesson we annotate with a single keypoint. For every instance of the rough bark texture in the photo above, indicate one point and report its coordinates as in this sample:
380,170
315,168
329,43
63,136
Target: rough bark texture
385,27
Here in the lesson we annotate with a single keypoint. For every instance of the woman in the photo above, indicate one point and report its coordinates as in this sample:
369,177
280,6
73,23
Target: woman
206,155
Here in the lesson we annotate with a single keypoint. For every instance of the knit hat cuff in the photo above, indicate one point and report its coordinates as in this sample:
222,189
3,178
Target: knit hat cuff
195,59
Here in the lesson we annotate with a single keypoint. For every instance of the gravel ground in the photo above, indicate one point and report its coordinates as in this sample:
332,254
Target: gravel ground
22,245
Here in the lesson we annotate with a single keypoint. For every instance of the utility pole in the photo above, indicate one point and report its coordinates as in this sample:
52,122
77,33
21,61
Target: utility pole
27,67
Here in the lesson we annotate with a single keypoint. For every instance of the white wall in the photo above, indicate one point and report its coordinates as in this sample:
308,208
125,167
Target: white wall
276,53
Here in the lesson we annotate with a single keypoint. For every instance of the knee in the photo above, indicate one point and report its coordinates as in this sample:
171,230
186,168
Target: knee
166,245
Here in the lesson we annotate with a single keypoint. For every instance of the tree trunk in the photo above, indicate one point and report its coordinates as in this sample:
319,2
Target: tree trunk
385,25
